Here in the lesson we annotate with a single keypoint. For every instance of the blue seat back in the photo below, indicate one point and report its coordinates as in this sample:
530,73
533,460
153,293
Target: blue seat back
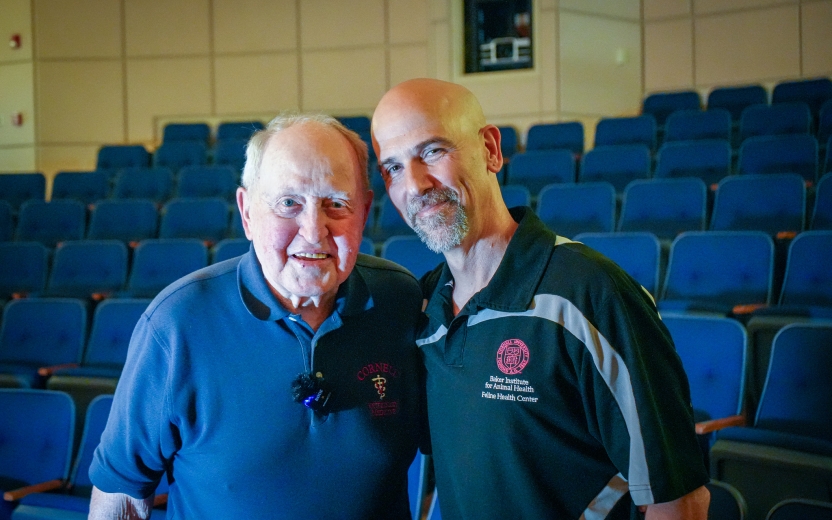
536,169
112,326
238,129
709,160
626,130
178,154
508,141
713,354
389,223
114,157
665,207
126,220
780,154
721,267
25,268
231,152
82,268
822,210
206,219
553,136
160,262
662,104
43,331
808,279
737,99
618,165
784,118
86,187
51,222
97,413
155,184
207,181
411,253
175,132
691,125
570,209
769,203
516,195
798,390
235,228
6,221
17,188
813,92
357,124
367,247
230,248
37,428
825,124
636,253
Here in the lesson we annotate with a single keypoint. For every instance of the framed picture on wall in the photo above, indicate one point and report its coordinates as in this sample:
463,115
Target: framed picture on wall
498,35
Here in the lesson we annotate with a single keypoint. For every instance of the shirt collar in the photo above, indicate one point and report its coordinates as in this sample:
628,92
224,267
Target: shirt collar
353,295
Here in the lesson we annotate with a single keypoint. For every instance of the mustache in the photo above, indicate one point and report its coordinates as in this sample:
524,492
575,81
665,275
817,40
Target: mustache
430,198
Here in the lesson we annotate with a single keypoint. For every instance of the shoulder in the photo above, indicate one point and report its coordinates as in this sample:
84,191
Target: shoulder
386,279
196,286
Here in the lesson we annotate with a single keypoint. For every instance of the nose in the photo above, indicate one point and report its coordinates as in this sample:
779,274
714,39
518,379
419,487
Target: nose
417,179
312,224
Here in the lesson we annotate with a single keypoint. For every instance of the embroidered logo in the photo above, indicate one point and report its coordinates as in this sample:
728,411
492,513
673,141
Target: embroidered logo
381,385
382,375
512,357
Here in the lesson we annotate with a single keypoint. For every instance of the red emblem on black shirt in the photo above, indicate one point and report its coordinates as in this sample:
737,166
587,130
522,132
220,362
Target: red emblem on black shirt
512,357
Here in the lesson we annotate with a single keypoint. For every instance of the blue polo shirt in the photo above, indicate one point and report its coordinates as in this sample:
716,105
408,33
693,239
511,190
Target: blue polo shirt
205,398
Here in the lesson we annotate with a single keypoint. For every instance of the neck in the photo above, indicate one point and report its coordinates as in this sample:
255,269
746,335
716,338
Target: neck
313,310
474,262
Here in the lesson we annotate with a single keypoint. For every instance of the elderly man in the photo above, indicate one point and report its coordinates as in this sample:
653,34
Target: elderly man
553,389
284,383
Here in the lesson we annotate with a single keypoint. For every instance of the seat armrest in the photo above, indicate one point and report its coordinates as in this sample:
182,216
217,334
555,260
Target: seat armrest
16,494
717,424
48,371
160,500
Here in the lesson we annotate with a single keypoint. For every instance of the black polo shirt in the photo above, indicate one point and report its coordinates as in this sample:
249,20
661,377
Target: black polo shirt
556,392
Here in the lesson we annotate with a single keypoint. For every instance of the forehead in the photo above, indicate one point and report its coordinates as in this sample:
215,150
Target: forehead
309,156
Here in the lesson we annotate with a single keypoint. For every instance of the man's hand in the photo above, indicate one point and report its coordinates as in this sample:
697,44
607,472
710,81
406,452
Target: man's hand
118,506
693,506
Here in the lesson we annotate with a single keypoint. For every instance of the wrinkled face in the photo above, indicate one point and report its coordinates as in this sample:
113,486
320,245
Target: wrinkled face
306,211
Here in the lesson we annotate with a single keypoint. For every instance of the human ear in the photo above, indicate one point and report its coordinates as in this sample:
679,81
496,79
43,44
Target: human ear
494,154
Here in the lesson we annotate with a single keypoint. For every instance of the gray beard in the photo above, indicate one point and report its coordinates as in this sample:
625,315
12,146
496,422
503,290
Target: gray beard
441,231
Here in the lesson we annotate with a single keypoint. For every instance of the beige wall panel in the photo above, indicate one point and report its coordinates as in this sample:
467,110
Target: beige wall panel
439,10
16,18
169,28
18,159
817,38
629,9
654,9
407,63
546,59
343,82
255,84
408,21
721,6
748,46
441,66
592,83
54,158
165,87
254,25
502,95
16,95
78,29
323,23
547,5
668,54
80,101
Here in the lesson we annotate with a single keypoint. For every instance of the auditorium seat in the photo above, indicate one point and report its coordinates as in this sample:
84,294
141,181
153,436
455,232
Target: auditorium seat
367,246
570,209
822,210
51,222
801,509
781,119
205,219
626,130
708,160
37,333
787,451
536,169
85,187
237,129
231,152
235,227
230,248
388,223
516,195
664,207
178,132
638,254
718,272
37,431
824,132
155,184
178,154
814,92
116,157
509,144
17,188
727,503
410,252
25,269
159,262
88,269
617,165
554,136
128,220
693,125
772,203
6,221
357,124
780,154
207,181
661,105
807,285
737,99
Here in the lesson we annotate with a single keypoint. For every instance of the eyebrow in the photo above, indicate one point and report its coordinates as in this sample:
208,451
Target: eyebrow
417,149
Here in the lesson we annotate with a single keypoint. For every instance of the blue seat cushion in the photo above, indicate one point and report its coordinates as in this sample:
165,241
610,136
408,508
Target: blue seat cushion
777,439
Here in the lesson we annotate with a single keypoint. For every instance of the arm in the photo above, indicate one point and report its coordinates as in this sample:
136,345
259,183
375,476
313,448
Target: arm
693,506
118,506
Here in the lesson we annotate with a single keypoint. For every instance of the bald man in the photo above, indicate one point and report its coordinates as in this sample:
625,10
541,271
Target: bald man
554,390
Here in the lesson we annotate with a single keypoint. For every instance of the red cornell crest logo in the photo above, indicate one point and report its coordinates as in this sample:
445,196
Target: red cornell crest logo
512,357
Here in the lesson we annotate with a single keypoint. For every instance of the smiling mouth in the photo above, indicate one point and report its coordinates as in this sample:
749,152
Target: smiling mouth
311,256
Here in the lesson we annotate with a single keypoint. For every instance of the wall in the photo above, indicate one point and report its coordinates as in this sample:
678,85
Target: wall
705,43
17,143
